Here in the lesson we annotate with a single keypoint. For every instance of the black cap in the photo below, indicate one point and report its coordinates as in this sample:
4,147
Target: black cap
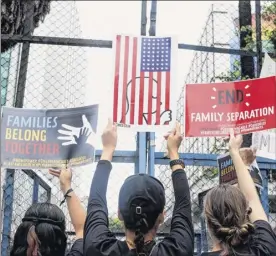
142,197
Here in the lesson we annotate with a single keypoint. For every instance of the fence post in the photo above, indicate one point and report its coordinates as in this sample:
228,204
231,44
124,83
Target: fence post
7,211
151,135
264,192
258,36
204,242
151,151
35,189
22,76
141,163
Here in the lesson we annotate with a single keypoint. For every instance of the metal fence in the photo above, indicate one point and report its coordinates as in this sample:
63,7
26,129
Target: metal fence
48,67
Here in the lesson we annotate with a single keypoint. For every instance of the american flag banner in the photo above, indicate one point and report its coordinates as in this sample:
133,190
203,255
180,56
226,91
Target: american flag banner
145,73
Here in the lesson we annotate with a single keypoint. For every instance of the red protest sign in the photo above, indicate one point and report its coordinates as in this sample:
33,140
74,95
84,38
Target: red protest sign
247,106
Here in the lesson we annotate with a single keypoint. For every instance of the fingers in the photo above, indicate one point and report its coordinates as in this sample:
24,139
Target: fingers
84,119
55,173
254,149
109,123
67,127
68,143
231,132
178,128
166,136
239,137
68,133
65,138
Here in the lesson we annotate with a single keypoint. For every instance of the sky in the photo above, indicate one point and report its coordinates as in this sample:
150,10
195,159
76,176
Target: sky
104,20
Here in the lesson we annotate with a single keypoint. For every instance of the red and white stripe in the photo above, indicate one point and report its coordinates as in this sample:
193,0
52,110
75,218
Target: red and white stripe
139,91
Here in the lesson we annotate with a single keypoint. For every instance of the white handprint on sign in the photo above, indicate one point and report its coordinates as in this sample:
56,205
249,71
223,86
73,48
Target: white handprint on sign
72,135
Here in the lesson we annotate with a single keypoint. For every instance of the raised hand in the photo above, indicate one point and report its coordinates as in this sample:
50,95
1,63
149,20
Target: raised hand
174,139
65,178
109,137
235,142
248,155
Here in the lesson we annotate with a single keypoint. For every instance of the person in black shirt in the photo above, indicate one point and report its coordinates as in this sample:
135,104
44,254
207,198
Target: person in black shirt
141,205
235,217
42,231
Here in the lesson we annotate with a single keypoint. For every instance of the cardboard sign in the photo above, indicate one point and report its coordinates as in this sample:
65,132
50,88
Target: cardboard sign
246,106
144,94
265,142
227,171
269,67
40,138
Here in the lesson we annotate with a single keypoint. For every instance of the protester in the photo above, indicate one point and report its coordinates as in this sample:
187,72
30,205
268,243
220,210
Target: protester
235,216
42,231
141,206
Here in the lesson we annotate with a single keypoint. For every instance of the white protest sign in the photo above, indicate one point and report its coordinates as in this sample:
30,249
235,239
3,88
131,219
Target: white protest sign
265,142
269,67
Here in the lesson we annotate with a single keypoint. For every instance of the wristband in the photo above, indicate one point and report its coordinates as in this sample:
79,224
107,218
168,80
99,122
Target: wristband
177,162
66,196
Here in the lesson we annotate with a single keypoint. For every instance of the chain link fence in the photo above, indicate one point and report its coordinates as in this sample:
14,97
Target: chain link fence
221,30
40,74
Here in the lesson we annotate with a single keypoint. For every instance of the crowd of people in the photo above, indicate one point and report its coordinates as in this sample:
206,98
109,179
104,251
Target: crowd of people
235,217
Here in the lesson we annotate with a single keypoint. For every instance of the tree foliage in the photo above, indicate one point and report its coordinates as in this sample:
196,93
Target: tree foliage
115,224
268,36
14,14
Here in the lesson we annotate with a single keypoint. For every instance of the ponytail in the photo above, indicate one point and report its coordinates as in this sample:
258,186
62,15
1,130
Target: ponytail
33,242
142,227
139,242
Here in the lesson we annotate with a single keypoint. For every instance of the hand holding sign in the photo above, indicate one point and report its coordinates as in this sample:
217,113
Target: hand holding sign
74,135
65,178
235,142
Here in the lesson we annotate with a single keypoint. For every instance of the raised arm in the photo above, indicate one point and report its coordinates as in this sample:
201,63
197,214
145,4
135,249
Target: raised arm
97,236
181,238
76,210
245,181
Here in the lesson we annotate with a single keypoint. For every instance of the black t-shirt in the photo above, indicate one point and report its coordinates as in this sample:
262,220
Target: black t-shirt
100,241
77,248
263,242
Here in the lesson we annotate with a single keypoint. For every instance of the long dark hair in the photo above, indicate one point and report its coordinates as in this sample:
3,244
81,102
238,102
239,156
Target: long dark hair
226,211
41,233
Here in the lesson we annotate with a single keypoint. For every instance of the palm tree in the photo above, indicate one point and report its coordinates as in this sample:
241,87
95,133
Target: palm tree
14,14
247,62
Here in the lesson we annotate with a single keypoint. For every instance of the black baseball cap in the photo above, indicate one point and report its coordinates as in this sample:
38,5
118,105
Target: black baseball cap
141,195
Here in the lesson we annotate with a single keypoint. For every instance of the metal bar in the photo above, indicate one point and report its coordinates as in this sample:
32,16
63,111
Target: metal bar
151,151
209,160
198,244
144,18
142,152
108,44
7,210
35,189
119,156
136,160
264,192
141,136
258,36
151,135
153,12
189,158
28,28
203,230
